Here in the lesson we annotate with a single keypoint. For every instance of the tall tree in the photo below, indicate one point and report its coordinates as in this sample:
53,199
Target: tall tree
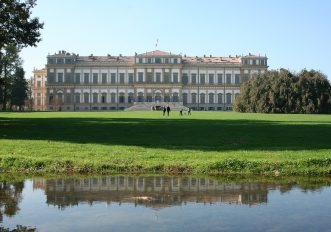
19,89
17,29
285,92
10,62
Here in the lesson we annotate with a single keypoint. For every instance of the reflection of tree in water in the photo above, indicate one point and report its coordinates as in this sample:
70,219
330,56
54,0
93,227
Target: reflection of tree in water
10,197
18,228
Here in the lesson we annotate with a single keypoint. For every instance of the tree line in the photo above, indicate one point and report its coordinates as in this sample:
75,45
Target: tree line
17,30
282,91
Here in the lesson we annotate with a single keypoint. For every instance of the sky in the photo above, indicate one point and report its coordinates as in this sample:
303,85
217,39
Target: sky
293,34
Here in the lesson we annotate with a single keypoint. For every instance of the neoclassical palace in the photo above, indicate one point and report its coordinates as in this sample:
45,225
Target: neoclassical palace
85,83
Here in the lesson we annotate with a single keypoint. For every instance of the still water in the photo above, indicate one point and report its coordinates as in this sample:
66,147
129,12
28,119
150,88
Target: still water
154,203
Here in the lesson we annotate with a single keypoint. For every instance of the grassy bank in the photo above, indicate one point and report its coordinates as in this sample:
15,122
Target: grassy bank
147,142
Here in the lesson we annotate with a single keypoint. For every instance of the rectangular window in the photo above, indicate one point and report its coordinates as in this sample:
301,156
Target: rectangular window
86,78
51,77
60,77
185,78
228,78
104,78
202,79
95,78
77,78
122,78
219,78
211,79
140,61
113,78
158,77
68,77
59,60
254,62
50,60
193,78
158,60
175,61
166,77
130,78
38,84
149,77
166,60
237,79
140,77
246,77
175,77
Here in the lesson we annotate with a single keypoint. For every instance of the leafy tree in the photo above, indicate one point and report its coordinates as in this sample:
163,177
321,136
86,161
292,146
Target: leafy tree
16,25
10,62
17,30
19,89
284,92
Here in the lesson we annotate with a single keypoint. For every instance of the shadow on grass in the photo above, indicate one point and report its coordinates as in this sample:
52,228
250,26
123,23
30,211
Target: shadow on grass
195,134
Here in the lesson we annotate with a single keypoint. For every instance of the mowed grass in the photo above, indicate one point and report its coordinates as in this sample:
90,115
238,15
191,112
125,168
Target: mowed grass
147,142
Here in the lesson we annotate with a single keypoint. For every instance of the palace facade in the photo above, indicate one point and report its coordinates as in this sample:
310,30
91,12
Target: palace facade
85,83
39,89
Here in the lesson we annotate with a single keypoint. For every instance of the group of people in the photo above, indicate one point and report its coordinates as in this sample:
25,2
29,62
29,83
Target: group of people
167,109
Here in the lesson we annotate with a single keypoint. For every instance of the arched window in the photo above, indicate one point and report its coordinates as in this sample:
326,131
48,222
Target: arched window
175,97
130,98
112,97
211,98
51,99
184,98
167,97
104,98
202,98
121,98
86,97
220,98
140,97
77,98
95,98
194,98
149,97
158,97
228,98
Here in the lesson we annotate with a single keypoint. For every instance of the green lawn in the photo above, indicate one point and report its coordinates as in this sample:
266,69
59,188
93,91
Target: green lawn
141,142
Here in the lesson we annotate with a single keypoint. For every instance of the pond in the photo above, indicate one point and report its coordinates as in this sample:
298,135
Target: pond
161,203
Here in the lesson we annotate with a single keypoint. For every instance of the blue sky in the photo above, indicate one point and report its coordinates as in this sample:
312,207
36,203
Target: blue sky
293,34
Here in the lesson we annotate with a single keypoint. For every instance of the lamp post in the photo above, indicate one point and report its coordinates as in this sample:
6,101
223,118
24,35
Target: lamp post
198,88
117,88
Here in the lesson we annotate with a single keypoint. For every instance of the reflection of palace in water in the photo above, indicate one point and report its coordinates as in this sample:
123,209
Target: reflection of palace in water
155,192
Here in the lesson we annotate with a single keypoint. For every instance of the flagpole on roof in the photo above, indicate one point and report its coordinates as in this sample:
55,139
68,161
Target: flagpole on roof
157,40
